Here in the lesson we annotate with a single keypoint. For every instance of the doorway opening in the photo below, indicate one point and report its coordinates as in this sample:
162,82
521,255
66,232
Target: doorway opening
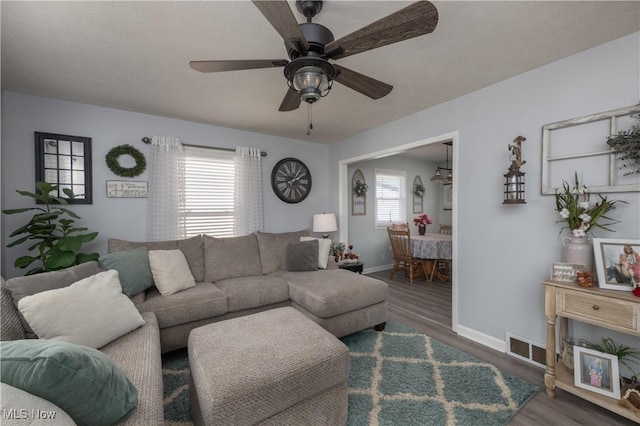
344,198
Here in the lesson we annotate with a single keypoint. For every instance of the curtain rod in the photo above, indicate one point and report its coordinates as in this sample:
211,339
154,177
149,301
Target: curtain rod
147,139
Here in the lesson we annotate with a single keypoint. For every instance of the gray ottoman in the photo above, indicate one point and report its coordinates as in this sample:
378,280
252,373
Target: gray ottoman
275,367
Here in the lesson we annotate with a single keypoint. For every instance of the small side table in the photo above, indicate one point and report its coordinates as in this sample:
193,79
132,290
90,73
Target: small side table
354,267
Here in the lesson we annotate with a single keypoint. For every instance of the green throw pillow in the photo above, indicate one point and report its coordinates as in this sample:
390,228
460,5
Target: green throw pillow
82,381
133,269
302,256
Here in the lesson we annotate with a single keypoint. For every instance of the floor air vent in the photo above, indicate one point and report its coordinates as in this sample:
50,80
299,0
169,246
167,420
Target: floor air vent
526,350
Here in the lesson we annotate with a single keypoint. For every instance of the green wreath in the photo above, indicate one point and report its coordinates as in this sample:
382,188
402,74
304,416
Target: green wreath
114,164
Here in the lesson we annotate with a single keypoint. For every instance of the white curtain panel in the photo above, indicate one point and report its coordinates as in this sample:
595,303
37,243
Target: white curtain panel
165,204
248,191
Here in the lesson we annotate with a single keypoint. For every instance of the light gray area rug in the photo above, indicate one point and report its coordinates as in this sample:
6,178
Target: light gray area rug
398,377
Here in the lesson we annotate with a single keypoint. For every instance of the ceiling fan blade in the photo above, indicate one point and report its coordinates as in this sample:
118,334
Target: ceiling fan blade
412,21
280,16
291,101
361,83
234,65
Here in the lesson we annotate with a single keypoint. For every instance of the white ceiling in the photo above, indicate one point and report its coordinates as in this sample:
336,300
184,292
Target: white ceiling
135,56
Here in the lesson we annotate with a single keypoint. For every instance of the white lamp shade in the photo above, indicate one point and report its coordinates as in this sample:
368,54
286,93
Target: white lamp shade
325,222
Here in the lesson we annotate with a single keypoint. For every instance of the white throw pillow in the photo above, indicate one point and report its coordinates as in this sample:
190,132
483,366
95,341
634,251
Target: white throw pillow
324,247
90,312
170,271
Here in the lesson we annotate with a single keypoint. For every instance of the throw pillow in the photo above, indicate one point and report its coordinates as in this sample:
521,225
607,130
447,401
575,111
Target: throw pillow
32,284
302,256
133,269
324,247
82,381
170,271
91,312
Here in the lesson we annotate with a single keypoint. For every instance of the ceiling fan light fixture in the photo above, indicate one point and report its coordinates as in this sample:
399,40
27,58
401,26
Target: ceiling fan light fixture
311,77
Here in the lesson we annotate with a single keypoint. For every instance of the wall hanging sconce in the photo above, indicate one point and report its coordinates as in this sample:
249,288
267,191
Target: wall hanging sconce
514,178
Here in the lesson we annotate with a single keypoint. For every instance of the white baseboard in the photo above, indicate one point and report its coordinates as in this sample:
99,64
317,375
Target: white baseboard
483,339
377,269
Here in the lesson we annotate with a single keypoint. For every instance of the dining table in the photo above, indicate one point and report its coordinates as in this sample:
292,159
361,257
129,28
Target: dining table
431,246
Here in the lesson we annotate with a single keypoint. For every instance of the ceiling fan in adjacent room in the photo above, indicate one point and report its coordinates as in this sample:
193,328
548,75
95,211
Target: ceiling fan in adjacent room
310,46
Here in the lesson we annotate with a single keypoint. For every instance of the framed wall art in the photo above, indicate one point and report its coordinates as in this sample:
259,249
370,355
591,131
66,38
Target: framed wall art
447,196
617,263
358,194
65,161
418,195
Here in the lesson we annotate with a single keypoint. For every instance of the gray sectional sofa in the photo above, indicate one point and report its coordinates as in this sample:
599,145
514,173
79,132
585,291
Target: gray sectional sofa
244,275
234,277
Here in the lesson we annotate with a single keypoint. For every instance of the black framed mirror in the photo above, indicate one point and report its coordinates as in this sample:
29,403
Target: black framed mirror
65,161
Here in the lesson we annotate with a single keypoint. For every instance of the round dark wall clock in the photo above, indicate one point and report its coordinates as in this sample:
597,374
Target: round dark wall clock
291,180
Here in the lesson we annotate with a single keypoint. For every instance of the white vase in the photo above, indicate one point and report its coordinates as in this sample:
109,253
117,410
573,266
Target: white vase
578,250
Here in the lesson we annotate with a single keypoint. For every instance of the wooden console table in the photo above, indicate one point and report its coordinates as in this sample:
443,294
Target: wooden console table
610,309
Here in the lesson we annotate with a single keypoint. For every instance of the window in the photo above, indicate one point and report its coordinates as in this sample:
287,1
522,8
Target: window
209,191
390,197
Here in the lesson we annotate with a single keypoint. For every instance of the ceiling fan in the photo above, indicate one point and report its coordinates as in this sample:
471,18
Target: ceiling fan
310,46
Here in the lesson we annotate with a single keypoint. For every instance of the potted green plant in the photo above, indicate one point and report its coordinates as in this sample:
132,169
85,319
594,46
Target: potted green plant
626,144
51,232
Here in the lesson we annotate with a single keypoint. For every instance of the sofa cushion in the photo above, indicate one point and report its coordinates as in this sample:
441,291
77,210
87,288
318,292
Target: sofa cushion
324,250
273,249
10,325
302,256
133,269
333,292
252,292
82,381
32,284
90,312
14,398
203,301
190,247
231,257
170,271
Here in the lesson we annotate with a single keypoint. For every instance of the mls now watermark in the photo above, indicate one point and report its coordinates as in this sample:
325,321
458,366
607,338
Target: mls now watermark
27,414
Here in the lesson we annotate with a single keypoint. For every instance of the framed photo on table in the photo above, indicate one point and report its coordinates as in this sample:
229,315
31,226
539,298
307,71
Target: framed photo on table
596,371
617,263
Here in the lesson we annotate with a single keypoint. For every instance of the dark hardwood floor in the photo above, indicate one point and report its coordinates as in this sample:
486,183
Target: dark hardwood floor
427,307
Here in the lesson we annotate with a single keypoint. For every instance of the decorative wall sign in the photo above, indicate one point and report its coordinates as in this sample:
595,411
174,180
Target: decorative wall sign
565,272
113,161
418,195
358,194
126,189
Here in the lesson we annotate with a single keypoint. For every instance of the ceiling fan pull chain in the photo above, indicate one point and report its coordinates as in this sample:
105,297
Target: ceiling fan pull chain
309,118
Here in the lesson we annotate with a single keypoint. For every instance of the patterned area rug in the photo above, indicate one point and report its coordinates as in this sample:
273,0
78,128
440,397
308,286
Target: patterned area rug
398,377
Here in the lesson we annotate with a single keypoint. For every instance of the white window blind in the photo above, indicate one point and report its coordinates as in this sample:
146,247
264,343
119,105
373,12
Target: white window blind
390,197
209,191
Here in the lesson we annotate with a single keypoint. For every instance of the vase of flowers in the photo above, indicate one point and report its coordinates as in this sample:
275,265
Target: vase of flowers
580,216
421,222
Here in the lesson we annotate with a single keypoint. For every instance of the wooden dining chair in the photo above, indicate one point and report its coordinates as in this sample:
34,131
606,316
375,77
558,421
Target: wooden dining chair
400,240
442,267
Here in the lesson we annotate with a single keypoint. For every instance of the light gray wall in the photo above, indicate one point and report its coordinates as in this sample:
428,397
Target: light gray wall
126,218
371,244
505,251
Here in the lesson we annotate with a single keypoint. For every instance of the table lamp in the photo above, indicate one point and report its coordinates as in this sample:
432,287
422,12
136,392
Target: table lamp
325,223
